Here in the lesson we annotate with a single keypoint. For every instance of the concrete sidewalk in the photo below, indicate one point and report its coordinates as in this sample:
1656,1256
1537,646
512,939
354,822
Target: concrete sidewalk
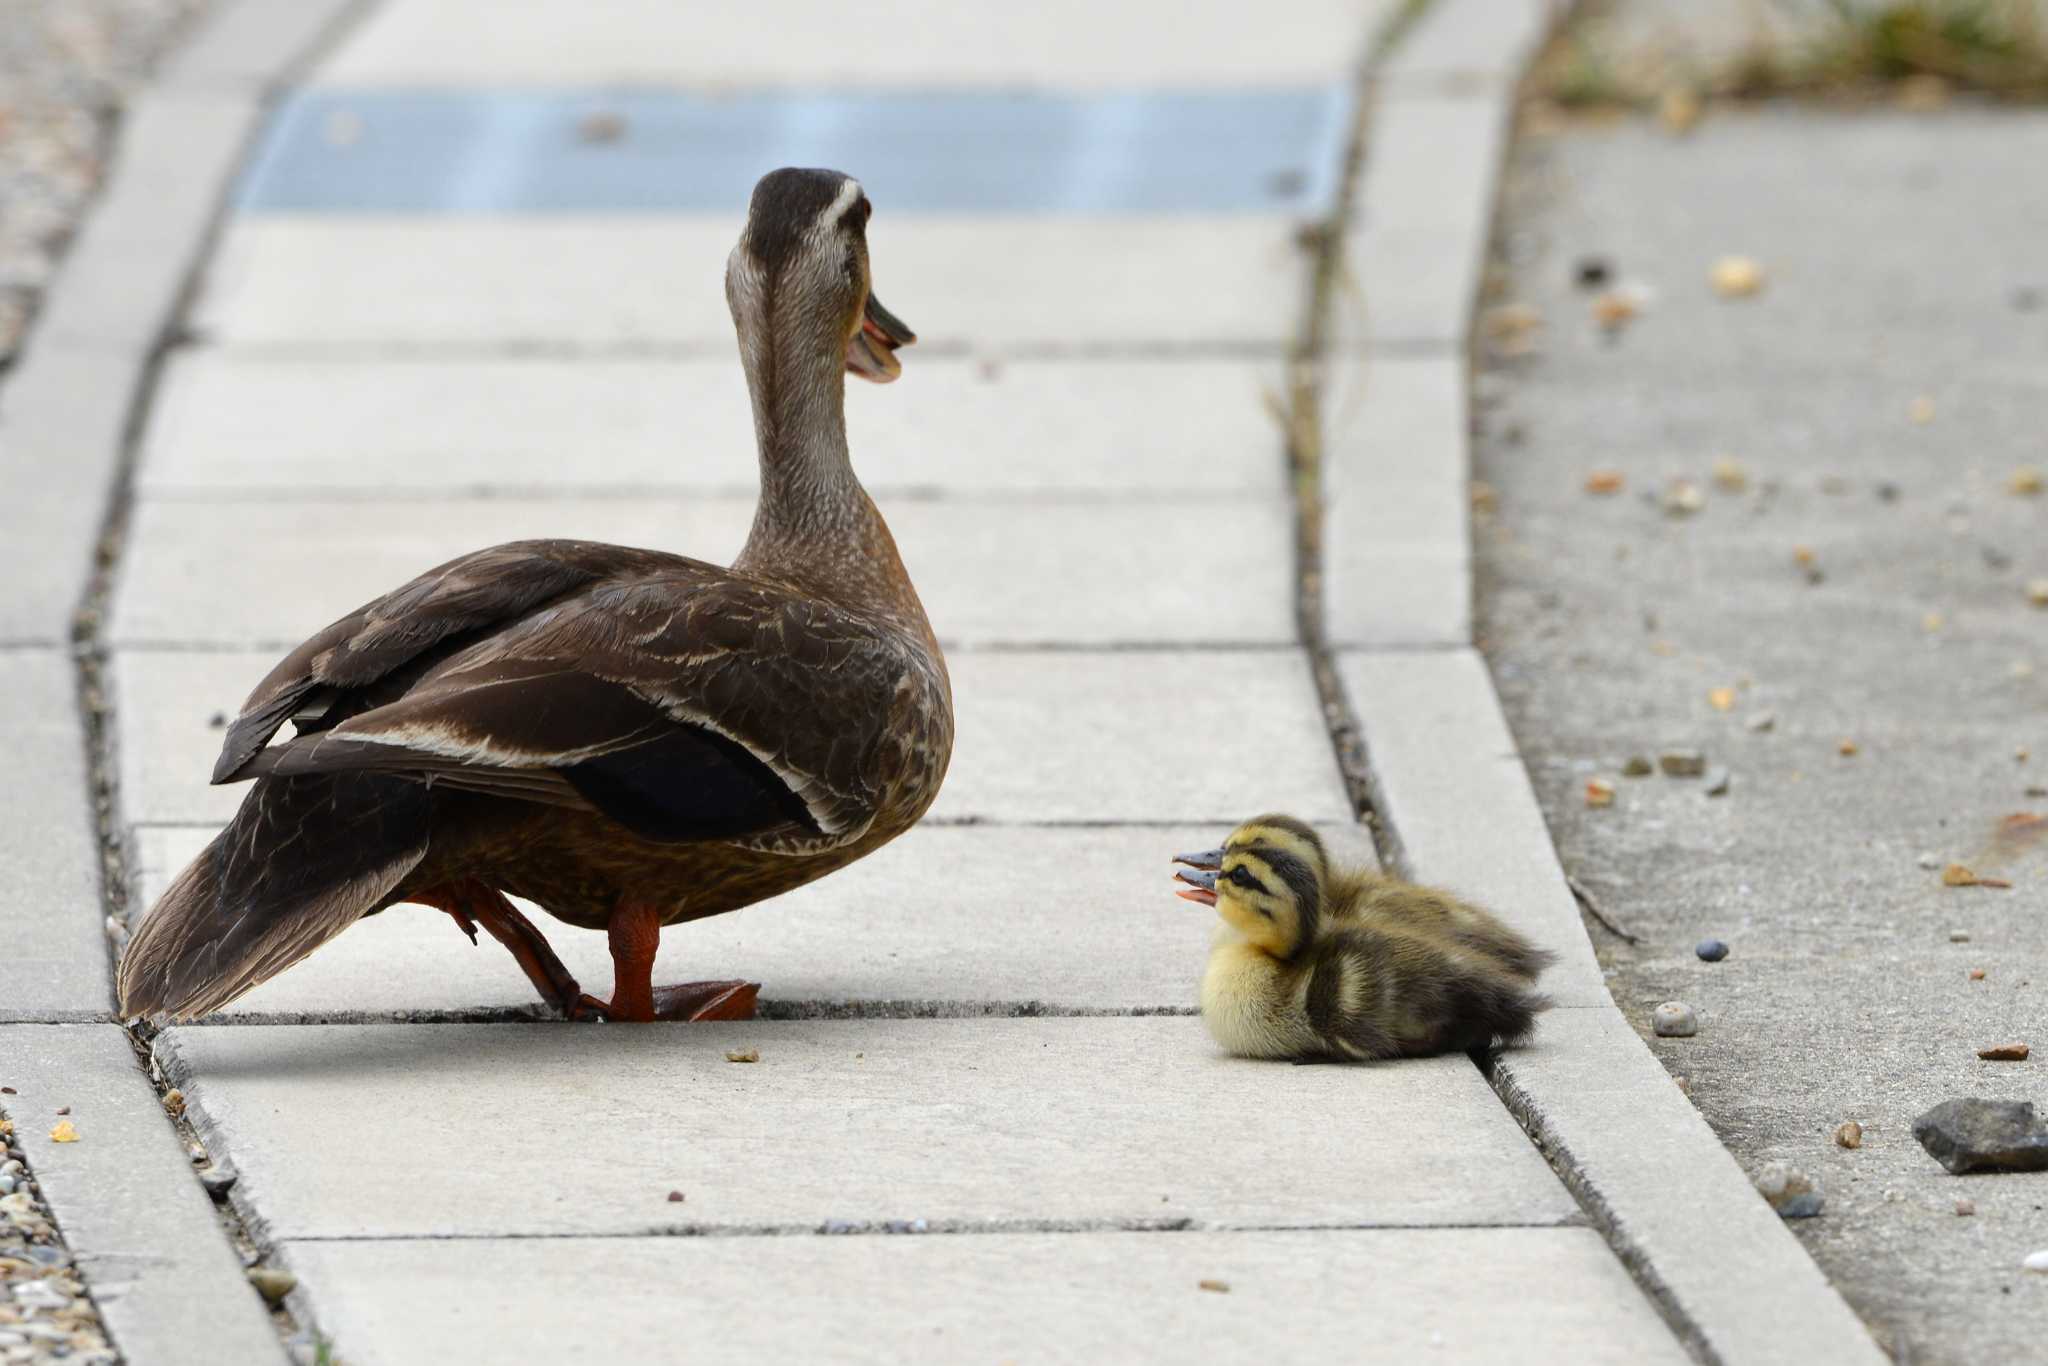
534,342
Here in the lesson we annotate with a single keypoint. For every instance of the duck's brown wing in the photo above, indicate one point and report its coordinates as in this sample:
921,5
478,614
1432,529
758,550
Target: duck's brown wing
679,699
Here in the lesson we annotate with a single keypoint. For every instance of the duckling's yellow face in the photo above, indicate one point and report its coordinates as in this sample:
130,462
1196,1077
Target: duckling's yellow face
1266,883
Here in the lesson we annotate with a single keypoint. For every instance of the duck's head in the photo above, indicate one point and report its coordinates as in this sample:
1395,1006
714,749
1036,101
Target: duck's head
1266,882
798,282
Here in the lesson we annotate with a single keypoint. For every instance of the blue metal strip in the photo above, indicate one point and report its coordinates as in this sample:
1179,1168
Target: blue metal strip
515,152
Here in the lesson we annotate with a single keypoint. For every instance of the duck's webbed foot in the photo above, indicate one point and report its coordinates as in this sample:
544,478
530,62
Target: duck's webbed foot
706,1001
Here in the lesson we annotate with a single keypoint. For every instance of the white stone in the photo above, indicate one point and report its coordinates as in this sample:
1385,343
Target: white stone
947,917
989,571
166,1280
387,284
2036,1261
1451,1295
921,44
229,424
1397,558
1044,736
967,1124
1451,785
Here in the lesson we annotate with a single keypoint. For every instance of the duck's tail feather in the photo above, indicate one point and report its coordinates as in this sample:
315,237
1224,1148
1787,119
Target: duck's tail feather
304,858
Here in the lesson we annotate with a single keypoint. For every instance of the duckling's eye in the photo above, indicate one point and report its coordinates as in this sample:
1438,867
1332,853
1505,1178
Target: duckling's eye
1242,877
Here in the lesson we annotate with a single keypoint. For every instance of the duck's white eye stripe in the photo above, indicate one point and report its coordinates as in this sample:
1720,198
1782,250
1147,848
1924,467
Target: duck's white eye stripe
849,195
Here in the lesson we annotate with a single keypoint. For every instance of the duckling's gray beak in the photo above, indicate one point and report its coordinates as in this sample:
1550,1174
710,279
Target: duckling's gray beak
870,352
1207,858
1201,886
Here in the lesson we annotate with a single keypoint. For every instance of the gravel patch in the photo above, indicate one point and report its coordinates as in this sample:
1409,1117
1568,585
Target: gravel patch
45,1314
66,68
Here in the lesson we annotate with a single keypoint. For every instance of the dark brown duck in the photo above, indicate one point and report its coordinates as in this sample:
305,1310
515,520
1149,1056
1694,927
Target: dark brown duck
628,738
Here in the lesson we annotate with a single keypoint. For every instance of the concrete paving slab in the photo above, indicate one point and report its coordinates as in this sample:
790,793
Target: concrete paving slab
1397,551
1449,783
1411,1294
250,46
62,415
1676,1206
224,424
921,44
952,919
1130,571
168,1284
1049,284
1044,736
56,959
968,1124
1418,232
119,285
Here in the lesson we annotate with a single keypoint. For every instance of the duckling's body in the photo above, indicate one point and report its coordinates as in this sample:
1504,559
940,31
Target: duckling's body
1316,962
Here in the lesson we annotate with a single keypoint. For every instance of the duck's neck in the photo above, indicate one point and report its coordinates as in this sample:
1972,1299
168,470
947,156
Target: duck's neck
815,525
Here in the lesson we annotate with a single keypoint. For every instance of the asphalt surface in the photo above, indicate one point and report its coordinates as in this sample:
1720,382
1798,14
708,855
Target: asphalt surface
1878,394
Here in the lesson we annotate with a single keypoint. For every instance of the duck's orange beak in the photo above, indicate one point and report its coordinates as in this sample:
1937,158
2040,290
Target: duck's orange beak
871,352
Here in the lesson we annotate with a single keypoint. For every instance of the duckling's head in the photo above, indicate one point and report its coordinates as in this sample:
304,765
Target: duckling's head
1266,882
798,282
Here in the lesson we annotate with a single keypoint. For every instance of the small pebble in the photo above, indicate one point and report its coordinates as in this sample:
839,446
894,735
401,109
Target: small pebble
1730,474
2036,1261
1599,792
2004,1052
675,1197
1682,498
1593,272
1216,1287
1976,974
1966,1207
744,1055
1762,722
2025,482
1921,410
1848,749
272,1283
1791,1193
838,1226
1682,763
1717,782
1674,1020
1929,862
217,1180
2037,592
1849,1134
1637,767
1957,936
1711,950
1888,492
1736,277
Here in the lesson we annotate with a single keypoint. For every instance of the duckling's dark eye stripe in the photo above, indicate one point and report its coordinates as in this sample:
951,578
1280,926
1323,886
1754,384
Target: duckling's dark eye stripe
1299,877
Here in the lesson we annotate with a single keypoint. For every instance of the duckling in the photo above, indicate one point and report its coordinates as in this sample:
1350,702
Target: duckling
1314,961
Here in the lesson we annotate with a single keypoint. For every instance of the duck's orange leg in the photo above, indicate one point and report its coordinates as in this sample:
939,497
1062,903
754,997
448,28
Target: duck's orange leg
635,933
470,903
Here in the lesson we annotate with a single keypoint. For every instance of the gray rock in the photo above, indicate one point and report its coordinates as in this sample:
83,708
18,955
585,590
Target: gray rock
1791,1193
218,1179
1682,763
1717,782
1929,862
1974,1134
1674,1020
1762,722
1637,767
272,1283
1711,950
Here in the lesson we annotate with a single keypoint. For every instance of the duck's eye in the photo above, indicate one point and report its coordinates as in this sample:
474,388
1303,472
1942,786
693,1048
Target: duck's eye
856,217
1242,877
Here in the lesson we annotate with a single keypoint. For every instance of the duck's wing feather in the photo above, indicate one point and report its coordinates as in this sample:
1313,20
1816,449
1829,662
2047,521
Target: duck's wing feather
683,700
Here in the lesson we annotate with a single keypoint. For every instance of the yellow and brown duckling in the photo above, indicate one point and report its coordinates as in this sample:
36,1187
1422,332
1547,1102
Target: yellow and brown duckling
1314,960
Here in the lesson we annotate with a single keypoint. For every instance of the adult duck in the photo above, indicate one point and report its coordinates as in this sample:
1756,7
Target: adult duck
628,738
